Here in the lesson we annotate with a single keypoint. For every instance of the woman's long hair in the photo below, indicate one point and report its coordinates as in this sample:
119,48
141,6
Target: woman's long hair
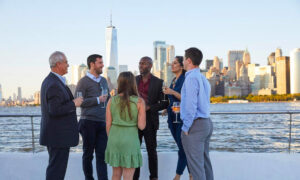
127,86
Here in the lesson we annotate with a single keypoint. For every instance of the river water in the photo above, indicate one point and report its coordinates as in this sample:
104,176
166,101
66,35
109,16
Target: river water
232,133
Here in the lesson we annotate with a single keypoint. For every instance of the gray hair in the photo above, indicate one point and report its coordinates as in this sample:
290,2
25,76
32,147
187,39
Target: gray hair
55,57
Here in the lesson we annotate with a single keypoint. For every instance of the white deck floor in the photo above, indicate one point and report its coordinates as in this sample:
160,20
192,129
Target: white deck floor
227,166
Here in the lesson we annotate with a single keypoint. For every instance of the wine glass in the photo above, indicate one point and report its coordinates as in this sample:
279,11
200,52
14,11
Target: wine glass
176,110
79,94
164,86
104,92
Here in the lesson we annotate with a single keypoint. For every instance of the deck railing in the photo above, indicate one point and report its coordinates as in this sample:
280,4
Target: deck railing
6,130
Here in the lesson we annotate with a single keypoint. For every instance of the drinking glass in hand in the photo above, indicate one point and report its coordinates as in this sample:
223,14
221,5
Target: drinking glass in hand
176,110
164,86
104,92
79,94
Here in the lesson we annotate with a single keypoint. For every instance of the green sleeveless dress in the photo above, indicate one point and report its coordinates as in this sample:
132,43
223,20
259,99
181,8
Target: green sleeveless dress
123,145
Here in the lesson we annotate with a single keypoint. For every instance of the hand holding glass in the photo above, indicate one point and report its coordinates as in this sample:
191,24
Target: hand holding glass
79,94
176,110
104,92
163,89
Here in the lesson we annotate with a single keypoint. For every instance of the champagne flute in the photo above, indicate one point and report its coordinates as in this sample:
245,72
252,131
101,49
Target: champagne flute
79,94
176,110
164,86
104,92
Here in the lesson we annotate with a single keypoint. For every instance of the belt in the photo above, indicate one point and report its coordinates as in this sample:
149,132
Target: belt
201,118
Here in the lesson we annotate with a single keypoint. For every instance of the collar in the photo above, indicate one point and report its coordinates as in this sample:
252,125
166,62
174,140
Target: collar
191,71
94,78
63,79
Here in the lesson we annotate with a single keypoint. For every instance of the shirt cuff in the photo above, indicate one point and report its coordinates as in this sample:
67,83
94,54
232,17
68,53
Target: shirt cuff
98,100
185,128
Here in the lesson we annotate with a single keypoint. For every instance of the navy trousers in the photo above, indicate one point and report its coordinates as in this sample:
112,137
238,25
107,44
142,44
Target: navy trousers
175,129
94,139
58,161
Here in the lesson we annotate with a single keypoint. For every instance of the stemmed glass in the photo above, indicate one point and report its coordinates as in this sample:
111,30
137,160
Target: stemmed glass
176,110
78,94
104,92
164,86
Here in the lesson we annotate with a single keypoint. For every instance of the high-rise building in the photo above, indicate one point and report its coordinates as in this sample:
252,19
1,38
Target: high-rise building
111,77
278,53
37,97
170,53
252,71
156,44
123,68
14,97
246,58
77,73
234,55
74,74
82,69
238,66
112,66
271,58
111,47
1,95
208,63
19,98
283,75
295,71
161,57
216,63
221,64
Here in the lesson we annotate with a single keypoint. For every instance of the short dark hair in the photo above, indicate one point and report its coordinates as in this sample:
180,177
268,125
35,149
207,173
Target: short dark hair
195,55
148,59
92,58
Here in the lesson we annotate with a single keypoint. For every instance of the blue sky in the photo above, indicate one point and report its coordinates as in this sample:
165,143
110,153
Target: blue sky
30,30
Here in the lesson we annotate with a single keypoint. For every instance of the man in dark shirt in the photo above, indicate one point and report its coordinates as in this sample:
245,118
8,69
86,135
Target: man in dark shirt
150,89
92,125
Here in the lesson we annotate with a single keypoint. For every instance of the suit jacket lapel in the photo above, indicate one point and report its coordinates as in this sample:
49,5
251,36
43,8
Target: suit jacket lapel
67,90
150,88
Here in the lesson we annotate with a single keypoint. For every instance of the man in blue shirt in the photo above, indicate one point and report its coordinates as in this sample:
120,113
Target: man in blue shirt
194,109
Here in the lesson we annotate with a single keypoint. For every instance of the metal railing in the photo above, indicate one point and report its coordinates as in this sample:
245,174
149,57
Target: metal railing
290,120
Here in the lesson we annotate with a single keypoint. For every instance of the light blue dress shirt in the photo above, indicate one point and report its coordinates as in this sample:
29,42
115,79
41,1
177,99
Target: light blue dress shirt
96,79
63,79
195,98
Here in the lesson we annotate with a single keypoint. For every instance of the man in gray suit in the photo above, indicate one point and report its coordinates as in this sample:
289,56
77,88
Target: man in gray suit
194,109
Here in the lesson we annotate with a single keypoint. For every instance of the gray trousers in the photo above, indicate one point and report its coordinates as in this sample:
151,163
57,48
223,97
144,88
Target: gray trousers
196,148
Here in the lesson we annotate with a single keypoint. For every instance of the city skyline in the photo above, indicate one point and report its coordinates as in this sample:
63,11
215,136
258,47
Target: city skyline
32,31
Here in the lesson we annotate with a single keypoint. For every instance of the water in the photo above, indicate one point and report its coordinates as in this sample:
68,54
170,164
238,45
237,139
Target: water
232,133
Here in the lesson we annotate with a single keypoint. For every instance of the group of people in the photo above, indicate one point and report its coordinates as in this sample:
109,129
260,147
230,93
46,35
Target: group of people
112,127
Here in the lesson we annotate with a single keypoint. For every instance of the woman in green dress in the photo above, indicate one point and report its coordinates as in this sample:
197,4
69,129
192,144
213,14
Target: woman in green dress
125,113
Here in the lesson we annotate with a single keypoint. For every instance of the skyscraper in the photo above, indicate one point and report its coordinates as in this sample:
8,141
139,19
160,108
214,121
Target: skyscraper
216,62
208,63
295,73
112,65
246,58
156,44
283,75
77,73
111,47
278,53
123,68
19,98
170,53
233,56
1,95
